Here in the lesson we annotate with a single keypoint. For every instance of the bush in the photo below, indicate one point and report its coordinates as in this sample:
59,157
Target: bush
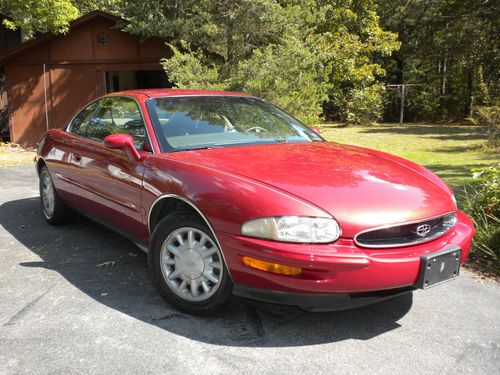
489,117
482,203
364,105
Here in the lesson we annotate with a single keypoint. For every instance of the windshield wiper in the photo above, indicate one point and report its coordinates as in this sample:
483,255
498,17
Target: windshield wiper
194,148
283,140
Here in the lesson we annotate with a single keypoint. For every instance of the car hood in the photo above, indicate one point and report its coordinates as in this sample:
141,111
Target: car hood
361,188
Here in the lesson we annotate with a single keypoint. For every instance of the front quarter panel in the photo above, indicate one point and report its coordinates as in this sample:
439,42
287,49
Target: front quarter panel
225,199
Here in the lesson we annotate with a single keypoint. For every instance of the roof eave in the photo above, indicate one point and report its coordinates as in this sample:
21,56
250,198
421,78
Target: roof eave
7,55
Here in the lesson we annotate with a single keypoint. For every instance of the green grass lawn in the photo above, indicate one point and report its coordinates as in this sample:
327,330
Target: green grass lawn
448,150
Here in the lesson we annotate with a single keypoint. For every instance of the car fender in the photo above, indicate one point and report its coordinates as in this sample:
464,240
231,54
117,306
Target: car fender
226,200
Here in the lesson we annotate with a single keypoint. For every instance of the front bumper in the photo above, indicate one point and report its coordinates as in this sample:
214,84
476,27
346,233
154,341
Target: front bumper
319,302
333,270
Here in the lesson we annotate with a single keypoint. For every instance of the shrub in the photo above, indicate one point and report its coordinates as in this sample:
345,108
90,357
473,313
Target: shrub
482,203
489,117
364,105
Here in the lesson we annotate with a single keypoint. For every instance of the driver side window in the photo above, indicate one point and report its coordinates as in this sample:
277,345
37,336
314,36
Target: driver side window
80,123
118,115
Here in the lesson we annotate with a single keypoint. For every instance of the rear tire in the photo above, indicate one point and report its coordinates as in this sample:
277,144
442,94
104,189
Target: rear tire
186,265
53,208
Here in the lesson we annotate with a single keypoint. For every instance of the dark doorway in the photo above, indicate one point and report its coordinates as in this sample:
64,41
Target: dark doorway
119,80
4,109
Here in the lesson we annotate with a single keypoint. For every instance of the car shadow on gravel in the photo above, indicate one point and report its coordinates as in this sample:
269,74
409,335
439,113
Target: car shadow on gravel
111,270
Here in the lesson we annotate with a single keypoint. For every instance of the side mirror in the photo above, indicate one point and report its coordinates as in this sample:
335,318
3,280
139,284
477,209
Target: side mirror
123,142
316,130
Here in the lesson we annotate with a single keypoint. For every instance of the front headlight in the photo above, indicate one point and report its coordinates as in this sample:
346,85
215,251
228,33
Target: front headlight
293,229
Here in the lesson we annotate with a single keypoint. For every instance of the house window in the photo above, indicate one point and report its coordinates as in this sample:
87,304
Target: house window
102,38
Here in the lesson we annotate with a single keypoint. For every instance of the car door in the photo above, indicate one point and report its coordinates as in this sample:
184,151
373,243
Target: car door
108,181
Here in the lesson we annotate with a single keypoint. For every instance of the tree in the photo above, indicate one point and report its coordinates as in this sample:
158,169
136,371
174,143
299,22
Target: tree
269,54
312,57
33,16
299,54
450,48
40,16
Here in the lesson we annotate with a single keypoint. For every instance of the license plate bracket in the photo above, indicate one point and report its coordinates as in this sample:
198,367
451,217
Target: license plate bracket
437,268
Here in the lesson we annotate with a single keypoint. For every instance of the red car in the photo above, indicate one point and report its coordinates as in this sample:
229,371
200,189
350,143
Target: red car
230,195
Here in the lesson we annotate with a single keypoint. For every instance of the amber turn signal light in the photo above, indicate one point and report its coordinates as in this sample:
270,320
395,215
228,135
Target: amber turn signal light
271,267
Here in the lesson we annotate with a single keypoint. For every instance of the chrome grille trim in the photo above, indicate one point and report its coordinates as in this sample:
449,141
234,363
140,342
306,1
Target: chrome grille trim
409,241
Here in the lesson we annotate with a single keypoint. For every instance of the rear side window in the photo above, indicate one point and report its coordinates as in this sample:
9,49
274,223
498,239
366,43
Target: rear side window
118,115
80,122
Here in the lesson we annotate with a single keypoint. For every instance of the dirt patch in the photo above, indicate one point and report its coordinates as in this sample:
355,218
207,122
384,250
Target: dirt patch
479,272
12,154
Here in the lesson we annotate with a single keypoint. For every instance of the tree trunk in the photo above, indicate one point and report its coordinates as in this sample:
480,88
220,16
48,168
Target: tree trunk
230,53
443,68
400,64
469,92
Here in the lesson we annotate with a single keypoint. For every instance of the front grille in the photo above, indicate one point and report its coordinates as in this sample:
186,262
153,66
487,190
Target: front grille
407,234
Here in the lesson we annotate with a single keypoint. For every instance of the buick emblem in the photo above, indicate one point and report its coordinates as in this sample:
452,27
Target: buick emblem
423,229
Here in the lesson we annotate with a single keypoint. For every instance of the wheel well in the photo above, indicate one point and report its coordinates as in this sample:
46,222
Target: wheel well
166,206
40,163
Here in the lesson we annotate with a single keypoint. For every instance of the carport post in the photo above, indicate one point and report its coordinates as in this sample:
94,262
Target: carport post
45,95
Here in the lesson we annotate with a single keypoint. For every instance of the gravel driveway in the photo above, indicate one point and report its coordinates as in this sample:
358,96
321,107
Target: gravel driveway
78,299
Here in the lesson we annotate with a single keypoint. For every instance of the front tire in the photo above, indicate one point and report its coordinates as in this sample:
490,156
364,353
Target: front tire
53,208
186,265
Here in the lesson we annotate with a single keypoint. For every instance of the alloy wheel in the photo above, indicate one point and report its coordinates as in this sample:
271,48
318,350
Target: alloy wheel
48,195
191,264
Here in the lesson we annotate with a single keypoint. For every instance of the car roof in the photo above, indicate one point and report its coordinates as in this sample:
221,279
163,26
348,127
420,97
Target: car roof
155,93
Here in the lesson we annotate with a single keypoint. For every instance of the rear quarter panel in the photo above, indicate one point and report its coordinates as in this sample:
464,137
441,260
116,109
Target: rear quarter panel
55,149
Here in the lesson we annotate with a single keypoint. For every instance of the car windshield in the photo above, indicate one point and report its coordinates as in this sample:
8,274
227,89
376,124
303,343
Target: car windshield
196,122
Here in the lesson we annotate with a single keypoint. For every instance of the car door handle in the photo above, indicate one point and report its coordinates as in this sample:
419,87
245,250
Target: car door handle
77,157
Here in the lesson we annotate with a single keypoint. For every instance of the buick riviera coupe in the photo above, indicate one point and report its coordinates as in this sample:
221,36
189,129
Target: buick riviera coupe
229,195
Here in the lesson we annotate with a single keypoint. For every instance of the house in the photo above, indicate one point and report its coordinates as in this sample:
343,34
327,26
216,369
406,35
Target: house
49,78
